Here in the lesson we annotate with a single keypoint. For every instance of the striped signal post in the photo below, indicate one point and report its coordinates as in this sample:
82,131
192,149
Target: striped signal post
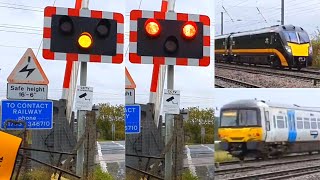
81,114
70,78
157,84
169,118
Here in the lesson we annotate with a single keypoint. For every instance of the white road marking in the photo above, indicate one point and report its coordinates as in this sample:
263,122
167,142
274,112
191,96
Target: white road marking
103,164
191,166
119,144
208,147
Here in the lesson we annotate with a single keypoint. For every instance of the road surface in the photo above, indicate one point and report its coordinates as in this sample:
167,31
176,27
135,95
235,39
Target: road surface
198,158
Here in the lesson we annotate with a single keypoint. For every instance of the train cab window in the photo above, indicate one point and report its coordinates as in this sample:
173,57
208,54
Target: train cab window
280,122
303,37
248,118
306,123
291,36
229,119
313,123
318,123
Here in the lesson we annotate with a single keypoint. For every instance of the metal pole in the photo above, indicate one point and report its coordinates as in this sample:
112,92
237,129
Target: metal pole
169,118
282,12
82,114
221,23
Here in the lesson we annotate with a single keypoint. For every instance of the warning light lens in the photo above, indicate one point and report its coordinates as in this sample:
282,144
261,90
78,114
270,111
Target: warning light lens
171,44
103,28
189,30
85,40
66,25
152,27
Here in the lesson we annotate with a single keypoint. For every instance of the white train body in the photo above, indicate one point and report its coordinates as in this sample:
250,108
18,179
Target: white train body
280,128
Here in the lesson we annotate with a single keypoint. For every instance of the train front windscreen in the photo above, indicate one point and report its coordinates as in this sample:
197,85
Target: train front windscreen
240,118
297,37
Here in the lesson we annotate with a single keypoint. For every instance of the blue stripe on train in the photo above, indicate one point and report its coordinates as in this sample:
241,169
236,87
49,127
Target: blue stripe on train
292,126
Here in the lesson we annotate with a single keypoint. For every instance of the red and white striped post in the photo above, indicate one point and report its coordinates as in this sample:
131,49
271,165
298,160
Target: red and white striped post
70,78
156,67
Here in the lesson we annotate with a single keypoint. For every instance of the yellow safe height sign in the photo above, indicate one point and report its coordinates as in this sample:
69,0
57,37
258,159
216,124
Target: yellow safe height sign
9,146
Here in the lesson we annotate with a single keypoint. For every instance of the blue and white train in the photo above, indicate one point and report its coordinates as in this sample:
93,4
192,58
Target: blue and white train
253,128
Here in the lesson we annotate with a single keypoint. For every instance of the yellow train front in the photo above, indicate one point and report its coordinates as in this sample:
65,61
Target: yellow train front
277,46
240,129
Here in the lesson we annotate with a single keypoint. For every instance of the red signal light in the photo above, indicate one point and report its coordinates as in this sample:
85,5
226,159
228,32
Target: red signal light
152,27
189,30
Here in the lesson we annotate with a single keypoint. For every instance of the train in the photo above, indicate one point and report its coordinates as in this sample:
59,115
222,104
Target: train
252,128
279,46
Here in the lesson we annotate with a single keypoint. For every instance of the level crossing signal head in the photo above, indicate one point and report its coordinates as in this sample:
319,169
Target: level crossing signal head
169,38
83,35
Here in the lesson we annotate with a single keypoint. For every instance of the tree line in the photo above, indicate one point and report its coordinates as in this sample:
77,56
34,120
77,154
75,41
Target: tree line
198,127
316,49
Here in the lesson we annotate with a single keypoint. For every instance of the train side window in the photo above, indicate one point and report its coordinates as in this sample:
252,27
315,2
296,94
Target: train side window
299,124
306,123
274,122
318,123
313,123
280,122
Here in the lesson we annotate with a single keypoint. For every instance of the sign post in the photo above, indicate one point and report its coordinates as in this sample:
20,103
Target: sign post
27,93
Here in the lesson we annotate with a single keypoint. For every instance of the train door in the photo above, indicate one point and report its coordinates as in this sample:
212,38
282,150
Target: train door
272,132
292,126
226,45
231,44
269,127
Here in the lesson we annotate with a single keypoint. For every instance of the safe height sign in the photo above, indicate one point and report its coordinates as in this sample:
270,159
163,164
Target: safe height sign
27,91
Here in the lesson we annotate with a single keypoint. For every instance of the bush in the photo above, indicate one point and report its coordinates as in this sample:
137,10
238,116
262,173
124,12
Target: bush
100,175
38,174
222,156
187,175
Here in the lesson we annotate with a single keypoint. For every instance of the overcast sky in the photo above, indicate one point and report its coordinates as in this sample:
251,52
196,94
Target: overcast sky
21,26
301,97
253,14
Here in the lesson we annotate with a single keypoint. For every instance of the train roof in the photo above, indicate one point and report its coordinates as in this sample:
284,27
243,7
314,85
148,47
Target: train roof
258,103
276,28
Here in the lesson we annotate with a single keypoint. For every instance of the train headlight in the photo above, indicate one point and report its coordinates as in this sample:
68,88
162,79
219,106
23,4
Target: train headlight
288,49
310,50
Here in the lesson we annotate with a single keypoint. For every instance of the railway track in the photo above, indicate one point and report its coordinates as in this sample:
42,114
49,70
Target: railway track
281,174
312,76
253,167
287,157
219,86
237,82
308,70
